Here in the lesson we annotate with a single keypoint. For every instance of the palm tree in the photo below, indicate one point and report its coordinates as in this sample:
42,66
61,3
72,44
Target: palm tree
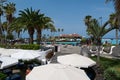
44,22
87,20
1,13
33,20
53,30
62,30
16,27
9,10
58,29
96,31
116,16
114,23
117,7
27,20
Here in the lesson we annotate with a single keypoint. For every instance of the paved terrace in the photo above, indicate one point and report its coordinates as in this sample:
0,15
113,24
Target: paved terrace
64,51
76,49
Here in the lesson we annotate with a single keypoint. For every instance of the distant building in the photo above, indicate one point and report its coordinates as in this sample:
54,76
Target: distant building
74,35
69,37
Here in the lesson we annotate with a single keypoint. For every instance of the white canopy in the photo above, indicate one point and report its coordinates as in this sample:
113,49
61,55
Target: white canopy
56,72
76,60
7,52
26,54
7,62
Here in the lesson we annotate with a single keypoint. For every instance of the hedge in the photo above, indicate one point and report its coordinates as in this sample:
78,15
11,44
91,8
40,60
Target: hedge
23,46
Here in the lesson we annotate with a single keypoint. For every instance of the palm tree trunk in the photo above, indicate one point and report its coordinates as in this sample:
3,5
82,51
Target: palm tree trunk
39,33
0,31
31,39
31,33
98,55
116,36
18,35
99,48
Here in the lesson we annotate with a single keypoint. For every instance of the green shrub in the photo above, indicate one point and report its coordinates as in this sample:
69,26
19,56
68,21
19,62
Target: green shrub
83,41
29,47
3,46
112,73
2,76
22,46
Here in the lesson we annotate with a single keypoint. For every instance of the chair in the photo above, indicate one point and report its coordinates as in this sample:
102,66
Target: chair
46,56
49,56
93,49
107,50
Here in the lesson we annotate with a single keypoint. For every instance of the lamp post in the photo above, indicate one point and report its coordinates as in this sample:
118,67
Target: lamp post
100,20
99,44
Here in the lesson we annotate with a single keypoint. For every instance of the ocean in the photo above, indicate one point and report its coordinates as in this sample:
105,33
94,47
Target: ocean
112,41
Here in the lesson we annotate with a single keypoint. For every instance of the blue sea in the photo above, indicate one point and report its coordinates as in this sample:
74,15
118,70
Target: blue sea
112,41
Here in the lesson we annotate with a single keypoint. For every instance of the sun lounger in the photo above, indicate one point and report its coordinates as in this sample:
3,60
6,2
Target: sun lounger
46,56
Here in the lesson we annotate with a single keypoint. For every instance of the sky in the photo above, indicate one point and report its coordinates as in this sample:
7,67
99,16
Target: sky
69,14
